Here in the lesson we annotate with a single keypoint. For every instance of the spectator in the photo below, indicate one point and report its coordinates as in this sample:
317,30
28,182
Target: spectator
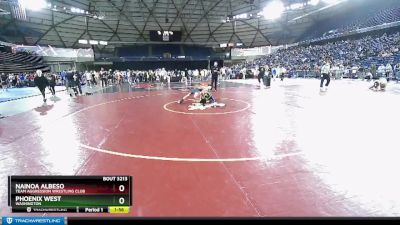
52,83
4,81
41,82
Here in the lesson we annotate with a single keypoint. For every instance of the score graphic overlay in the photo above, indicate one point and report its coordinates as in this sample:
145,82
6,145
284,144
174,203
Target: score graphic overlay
70,194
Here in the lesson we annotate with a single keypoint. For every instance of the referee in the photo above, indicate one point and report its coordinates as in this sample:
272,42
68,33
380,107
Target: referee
261,74
214,76
325,70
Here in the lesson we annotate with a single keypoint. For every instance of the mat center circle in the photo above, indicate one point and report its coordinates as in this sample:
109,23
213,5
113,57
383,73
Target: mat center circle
231,106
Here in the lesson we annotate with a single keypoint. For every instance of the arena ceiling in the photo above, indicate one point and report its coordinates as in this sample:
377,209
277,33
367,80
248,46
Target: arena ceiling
129,22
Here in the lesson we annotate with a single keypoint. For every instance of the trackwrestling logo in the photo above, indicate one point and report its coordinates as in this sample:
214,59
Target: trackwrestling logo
33,220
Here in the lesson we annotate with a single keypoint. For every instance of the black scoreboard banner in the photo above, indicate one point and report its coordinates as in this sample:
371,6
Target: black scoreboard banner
70,194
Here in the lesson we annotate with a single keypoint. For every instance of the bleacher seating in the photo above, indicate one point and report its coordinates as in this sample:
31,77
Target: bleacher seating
378,50
377,60
159,50
197,52
137,51
18,63
374,14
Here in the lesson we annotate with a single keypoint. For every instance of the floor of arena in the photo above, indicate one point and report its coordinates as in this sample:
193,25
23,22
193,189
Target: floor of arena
286,151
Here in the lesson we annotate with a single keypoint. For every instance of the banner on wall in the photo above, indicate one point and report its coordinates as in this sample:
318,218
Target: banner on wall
248,52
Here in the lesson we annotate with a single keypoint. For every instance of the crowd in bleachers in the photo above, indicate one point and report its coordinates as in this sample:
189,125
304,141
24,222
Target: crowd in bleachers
387,15
369,16
347,55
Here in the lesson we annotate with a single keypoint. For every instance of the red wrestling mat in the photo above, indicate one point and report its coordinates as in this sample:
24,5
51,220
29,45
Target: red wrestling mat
268,153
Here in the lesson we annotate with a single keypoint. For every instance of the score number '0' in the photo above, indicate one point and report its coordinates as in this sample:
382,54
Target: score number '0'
121,200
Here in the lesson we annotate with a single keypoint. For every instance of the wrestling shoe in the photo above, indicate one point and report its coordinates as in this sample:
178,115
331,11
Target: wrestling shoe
180,101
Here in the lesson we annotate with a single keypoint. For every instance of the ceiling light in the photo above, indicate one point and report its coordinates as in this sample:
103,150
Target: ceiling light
296,6
34,5
313,2
273,10
93,42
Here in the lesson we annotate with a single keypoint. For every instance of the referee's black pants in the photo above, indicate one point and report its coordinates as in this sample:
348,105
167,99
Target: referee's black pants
260,78
327,78
214,82
103,82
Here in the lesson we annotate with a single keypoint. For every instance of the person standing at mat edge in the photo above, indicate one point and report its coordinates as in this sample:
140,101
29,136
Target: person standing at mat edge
325,70
261,74
3,81
41,82
71,83
214,76
103,77
52,83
